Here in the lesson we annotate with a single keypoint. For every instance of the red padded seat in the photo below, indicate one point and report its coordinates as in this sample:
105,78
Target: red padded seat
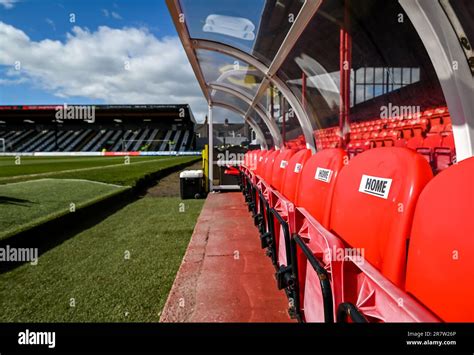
432,141
415,142
373,205
279,167
427,149
317,183
440,268
293,172
260,168
267,172
314,199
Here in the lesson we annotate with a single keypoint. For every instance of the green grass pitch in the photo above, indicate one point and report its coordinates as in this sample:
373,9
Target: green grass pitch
92,268
119,270
27,204
113,170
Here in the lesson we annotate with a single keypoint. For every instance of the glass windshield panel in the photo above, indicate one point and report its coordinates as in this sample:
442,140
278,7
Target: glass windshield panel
389,73
257,27
223,69
263,127
229,99
223,116
278,108
220,114
231,137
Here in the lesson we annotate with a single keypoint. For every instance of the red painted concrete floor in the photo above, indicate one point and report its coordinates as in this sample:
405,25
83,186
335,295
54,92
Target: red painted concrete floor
225,275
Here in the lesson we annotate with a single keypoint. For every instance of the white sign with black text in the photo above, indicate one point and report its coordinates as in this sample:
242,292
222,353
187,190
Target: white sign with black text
375,186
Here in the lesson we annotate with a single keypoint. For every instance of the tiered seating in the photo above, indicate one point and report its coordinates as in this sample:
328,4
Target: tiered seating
184,143
166,140
103,139
140,138
296,144
77,141
338,237
94,140
429,133
328,138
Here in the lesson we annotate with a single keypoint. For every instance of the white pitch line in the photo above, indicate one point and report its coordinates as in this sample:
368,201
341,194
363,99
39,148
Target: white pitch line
89,181
50,179
76,170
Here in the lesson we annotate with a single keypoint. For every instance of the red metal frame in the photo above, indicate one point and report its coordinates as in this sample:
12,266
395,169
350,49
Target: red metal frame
345,66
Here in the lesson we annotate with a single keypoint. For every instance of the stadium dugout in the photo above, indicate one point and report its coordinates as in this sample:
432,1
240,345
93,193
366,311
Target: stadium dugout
360,191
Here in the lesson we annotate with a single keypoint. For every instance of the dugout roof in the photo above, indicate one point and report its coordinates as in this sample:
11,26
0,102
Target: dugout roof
275,61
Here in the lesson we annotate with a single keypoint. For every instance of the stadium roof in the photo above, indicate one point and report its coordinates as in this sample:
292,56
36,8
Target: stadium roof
156,110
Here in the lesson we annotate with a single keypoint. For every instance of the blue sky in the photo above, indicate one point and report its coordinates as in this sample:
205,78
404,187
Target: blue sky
32,16
83,62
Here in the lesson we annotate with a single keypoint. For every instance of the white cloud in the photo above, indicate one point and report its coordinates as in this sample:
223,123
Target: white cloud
12,81
8,4
116,15
113,14
51,23
128,65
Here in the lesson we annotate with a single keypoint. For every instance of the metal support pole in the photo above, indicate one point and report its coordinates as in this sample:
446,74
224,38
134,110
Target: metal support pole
272,104
303,91
345,65
342,81
211,148
283,115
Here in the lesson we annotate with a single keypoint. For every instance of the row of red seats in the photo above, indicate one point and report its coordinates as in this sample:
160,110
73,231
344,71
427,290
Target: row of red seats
439,150
419,118
338,230
429,133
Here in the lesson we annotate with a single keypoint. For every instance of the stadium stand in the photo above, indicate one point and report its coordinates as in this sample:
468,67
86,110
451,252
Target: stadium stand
166,140
184,141
117,128
429,133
